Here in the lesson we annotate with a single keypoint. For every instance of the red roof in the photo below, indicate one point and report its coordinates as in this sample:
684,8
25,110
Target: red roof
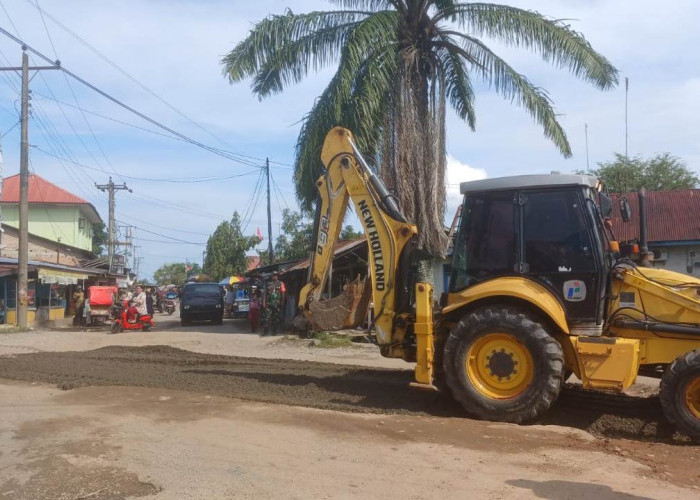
671,216
40,191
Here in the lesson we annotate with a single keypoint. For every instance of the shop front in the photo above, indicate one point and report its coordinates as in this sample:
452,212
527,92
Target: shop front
49,291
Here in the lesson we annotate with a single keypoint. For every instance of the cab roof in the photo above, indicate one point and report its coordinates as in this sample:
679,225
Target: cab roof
527,182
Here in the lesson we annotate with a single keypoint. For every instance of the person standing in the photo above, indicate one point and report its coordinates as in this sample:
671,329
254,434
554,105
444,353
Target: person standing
254,311
230,299
149,302
79,299
273,304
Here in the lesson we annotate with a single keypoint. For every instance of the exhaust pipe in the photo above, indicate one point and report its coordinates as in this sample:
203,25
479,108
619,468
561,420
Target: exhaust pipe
643,221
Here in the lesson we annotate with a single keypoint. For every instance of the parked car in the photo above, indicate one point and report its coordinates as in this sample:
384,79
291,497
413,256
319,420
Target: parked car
201,302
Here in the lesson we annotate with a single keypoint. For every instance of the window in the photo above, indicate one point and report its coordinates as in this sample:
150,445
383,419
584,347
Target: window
486,244
555,233
82,223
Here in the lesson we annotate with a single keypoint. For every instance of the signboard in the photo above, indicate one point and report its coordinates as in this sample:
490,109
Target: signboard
60,277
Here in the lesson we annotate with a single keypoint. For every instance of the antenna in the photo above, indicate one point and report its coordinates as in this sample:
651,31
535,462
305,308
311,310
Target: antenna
588,164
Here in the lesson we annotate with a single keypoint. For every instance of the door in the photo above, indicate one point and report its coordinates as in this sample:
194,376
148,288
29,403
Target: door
557,249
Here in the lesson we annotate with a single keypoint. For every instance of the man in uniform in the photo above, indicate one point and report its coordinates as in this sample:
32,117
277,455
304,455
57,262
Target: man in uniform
273,304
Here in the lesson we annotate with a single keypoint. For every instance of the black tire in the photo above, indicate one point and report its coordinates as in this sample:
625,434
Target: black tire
547,369
218,321
684,370
114,327
185,322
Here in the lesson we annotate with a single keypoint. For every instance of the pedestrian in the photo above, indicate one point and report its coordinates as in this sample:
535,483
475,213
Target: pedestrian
230,299
149,302
254,311
273,304
79,299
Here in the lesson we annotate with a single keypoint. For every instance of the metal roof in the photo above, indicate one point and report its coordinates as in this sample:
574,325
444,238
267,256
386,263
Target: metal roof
671,216
527,181
42,191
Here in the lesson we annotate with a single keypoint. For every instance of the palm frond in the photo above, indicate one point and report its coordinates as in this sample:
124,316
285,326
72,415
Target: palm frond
458,86
373,5
515,87
317,39
354,98
555,41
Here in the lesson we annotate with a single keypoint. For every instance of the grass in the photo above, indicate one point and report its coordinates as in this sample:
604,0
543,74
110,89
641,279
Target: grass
327,340
12,329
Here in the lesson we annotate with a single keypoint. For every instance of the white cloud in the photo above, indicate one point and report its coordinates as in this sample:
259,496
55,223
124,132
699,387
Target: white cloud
458,172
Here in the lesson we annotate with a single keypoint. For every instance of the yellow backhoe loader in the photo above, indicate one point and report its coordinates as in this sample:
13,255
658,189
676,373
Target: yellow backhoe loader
538,290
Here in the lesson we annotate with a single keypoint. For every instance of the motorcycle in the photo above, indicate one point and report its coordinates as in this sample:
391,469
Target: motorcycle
169,306
121,322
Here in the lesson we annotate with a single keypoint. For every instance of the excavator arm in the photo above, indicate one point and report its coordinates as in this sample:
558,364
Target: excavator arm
349,178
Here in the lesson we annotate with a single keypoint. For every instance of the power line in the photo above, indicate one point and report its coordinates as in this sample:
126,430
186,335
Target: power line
178,240
149,179
220,152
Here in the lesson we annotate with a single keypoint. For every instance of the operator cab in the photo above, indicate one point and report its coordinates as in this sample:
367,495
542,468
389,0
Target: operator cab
547,228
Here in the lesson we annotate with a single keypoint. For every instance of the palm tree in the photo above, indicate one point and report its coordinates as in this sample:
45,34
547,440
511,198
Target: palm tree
400,63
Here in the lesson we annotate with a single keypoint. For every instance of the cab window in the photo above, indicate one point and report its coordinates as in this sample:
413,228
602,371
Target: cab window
486,244
555,233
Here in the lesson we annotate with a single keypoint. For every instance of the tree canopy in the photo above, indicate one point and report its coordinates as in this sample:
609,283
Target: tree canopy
99,238
175,273
226,249
400,64
656,173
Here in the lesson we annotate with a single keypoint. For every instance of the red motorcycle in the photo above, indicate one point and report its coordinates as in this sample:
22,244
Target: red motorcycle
121,322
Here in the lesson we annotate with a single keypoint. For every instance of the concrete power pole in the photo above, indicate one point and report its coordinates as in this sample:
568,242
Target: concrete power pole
111,188
23,247
269,216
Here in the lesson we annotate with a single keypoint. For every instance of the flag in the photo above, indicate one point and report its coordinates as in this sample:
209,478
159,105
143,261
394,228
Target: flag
259,235
188,268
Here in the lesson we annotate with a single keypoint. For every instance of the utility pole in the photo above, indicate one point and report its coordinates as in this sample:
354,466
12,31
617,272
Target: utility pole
627,91
23,246
269,215
112,242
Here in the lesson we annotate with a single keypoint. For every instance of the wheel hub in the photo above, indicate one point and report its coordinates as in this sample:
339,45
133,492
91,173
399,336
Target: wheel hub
499,366
502,364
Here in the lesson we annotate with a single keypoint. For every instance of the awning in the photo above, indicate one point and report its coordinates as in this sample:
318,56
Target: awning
60,277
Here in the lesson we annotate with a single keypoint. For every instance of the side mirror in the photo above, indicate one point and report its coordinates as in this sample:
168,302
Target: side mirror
606,205
625,210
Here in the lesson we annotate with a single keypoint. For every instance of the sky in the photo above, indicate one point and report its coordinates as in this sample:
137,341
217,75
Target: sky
171,50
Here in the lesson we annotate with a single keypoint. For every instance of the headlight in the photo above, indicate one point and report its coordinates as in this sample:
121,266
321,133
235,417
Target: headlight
187,307
218,306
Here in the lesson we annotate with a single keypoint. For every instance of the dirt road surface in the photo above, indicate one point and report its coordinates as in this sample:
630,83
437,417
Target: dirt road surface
91,415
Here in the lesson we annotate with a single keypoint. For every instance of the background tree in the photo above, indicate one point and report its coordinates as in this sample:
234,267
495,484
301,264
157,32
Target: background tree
349,233
99,238
294,241
401,62
175,273
226,249
660,172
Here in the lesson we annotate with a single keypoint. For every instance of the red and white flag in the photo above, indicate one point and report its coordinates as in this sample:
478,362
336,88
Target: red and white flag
259,234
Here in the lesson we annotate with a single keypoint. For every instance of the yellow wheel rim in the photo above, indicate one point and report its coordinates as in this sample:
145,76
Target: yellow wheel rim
499,366
692,396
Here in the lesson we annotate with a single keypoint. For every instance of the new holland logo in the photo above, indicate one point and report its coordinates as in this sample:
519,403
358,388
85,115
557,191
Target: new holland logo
574,290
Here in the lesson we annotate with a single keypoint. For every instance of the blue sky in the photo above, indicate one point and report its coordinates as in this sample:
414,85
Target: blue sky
174,47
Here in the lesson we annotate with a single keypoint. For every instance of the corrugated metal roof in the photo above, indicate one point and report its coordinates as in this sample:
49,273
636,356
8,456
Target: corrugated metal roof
43,191
671,216
342,247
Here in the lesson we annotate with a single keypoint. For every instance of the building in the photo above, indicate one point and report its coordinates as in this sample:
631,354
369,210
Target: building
54,213
60,249
673,228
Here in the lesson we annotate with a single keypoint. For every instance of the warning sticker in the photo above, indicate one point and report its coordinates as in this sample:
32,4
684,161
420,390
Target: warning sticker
574,290
627,299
